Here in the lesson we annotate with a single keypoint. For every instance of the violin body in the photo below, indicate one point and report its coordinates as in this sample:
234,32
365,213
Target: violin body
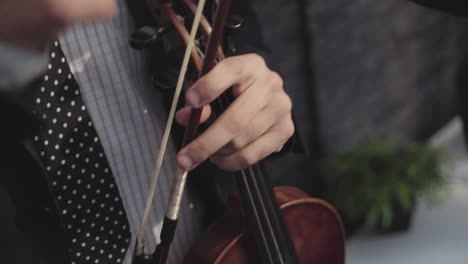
314,227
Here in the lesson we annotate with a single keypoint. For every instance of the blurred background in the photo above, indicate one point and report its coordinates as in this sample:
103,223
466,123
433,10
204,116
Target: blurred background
378,92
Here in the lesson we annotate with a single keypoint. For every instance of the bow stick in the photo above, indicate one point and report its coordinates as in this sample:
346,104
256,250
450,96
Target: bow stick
213,52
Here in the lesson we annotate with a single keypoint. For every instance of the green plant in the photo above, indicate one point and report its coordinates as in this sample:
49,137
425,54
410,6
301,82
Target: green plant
369,180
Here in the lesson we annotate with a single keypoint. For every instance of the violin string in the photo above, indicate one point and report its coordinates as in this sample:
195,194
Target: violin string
248,177
262,205
255,212
170,121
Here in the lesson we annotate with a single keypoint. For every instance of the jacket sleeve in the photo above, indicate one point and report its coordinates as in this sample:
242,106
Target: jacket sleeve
457,7
249,39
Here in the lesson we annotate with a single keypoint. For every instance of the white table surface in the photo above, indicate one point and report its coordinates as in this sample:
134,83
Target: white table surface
439,235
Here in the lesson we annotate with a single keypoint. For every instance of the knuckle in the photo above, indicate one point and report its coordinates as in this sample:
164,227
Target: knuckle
289,128
279,149
200,151
202,92
237,90
197,90
236,144
257,60
283,104
277,80
231,65
234,123
245,160
286,102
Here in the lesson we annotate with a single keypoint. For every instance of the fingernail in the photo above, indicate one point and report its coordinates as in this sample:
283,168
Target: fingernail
185,162
193,99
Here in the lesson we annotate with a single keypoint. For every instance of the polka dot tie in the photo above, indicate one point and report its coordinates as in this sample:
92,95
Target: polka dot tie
80,178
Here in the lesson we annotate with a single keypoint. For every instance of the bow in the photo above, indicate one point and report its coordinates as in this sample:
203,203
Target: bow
144,38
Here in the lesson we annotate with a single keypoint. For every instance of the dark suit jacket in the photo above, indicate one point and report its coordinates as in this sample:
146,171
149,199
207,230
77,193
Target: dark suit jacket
30,227
457,7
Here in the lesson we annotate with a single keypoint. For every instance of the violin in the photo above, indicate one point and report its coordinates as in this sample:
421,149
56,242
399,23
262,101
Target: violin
262,224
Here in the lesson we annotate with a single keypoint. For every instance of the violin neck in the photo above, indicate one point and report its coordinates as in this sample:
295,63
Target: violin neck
264,220
263,217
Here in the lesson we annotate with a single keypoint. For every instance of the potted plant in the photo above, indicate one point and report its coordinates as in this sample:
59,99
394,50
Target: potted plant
378,183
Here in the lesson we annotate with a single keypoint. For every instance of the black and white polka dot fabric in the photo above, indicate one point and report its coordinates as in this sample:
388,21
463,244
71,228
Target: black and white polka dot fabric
79,174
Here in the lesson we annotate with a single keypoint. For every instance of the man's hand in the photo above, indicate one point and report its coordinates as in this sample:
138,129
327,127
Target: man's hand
258,122
32,24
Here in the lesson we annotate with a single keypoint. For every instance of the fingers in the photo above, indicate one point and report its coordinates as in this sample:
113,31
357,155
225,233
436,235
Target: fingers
255,125
74,11
32,24
257,150
240,71
224,129
247,136
261,123
183,115
95,9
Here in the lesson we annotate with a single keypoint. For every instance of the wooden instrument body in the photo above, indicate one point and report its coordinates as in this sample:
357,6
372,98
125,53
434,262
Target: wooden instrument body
315,229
